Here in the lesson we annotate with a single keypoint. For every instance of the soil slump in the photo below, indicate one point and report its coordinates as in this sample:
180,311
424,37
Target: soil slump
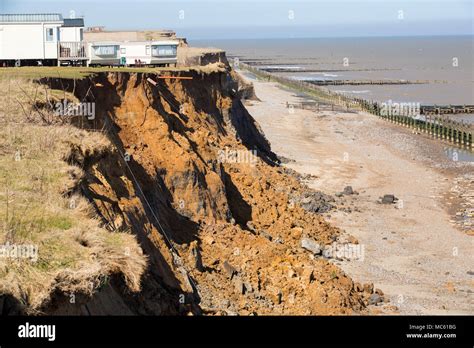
222,237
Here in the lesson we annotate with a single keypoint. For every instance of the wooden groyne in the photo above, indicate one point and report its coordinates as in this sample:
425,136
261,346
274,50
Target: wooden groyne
289,69
446,109
365,82
316,106
430,120
435,125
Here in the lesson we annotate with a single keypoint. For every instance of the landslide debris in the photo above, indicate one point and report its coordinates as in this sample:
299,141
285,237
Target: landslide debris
194,179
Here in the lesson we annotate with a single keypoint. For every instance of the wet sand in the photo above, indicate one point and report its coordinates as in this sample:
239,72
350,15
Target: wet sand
415,251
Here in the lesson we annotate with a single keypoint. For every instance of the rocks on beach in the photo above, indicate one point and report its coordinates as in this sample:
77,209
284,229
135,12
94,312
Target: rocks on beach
311,245
374,299
388,199
461,196
315,201
348,190
372,296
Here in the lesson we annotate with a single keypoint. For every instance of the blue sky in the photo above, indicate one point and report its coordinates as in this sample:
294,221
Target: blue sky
215,19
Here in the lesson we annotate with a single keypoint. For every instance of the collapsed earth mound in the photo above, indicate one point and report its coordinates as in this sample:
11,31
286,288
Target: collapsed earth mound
192,176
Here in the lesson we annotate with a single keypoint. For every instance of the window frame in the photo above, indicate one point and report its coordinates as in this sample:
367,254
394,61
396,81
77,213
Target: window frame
49,35
169,50
104,55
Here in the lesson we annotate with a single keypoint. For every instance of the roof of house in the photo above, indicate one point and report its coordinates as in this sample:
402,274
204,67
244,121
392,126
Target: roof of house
73,22
30,17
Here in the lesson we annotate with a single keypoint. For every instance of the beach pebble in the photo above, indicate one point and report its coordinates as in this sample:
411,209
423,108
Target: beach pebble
348,190
388,199
311,245
374,299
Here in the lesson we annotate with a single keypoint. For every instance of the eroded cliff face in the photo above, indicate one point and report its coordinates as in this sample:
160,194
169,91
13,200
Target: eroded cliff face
217,223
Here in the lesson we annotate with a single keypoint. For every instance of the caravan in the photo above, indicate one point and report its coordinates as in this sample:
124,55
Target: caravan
133,53
104,53
150,53
40,39
48,39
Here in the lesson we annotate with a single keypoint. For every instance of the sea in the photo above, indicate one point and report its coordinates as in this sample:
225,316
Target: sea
445,62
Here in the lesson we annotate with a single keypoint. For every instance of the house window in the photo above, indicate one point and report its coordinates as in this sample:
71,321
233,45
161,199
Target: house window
147,49
49,34
81,34
123,51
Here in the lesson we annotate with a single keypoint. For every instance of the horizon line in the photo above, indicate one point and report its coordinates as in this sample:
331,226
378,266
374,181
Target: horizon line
331,37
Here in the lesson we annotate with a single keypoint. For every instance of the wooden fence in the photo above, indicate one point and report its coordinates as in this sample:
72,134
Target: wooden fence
431,120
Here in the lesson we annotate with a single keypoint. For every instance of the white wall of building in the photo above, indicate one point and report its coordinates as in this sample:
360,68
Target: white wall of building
28,41
136,50
1,41
71,34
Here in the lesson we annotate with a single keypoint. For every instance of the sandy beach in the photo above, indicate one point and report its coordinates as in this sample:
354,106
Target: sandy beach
417,251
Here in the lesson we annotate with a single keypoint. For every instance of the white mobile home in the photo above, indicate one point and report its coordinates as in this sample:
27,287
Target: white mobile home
48,39
149,52
104,53
37,39
29,36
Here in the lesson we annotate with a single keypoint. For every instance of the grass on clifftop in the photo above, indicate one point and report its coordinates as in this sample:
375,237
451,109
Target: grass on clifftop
37,72
74,253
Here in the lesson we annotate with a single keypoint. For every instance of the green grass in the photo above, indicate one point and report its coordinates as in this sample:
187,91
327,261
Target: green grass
79,72
59,222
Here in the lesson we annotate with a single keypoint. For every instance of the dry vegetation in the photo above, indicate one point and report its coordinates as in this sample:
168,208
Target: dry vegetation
81,72
41,206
